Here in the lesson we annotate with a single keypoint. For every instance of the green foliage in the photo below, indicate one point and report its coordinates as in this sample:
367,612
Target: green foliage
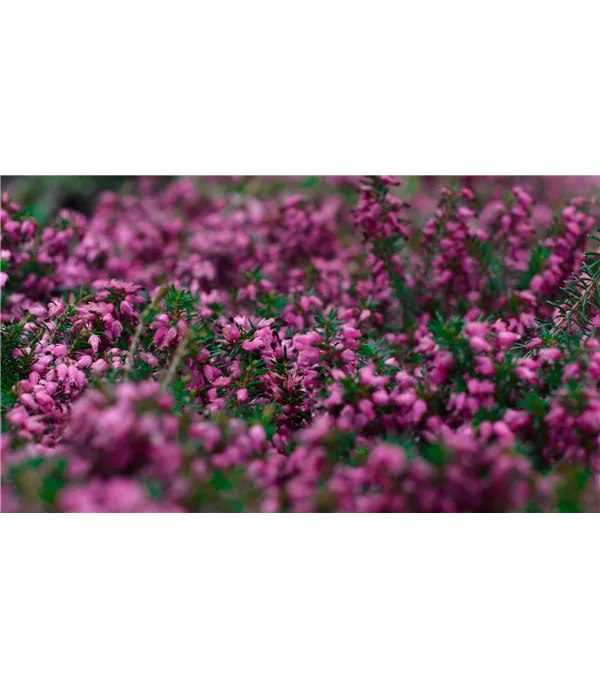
571,489
538,258
14,368
229,491
582,299
448,333
181,394
271,305
154,488
179,302
310,182
53,481
491,264
378,351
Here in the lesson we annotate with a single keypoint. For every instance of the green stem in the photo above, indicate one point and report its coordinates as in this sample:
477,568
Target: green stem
179,354
139,329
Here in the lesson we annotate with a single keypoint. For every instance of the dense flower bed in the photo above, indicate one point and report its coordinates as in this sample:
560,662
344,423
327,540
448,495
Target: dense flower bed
338,349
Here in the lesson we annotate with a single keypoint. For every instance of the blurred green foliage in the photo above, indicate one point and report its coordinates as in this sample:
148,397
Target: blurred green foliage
43,196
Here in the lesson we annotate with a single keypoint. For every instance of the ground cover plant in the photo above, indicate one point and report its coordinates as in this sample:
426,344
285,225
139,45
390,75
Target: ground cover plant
304,344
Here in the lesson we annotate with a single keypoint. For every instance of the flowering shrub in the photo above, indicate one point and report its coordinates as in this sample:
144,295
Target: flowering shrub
336,349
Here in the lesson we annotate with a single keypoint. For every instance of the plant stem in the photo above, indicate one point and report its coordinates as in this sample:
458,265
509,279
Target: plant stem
139,329
179,354
579,303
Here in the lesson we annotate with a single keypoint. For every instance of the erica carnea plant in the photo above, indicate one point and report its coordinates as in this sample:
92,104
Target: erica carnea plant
301,345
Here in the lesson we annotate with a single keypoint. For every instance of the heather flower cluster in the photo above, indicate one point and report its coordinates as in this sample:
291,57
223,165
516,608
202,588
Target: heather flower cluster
338,347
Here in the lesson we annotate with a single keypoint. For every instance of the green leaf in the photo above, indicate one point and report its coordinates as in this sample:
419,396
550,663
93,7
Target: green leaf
571,490
154,488
310,183
51,486
219,481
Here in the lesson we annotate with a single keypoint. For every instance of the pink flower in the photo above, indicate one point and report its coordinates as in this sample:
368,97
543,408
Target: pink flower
269,505
100,367
257,435
44,399
38,311
485,366
507,339
78,499
250,345
348,356
28,400
94,342
17,415
126,308
388,457
349,332
380,397
368,377
222,382
406,398
170,336
533,343
479,344
123,495
231,332
525,373
477,329
551,354
419,409
502,430
536,283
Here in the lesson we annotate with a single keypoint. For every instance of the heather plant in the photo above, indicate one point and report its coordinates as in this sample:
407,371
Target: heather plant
244,344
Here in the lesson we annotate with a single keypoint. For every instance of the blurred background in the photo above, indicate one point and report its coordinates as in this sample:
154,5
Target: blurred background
43,196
